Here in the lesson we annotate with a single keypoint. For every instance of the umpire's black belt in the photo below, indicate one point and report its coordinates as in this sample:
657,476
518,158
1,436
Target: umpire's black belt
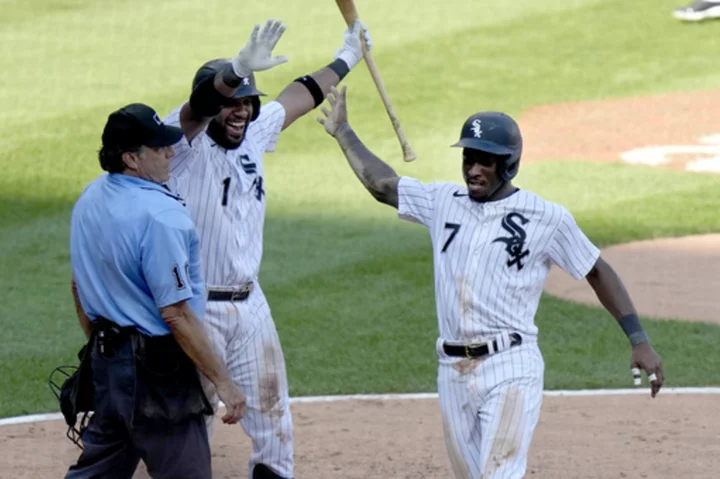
230,294
475,351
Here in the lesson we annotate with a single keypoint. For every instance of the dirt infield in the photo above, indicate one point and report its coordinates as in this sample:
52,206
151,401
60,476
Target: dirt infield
675,278
678,131
667,278
627,436
671,436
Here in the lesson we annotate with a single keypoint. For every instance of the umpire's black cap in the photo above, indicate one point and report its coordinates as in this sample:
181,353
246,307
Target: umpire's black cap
137,125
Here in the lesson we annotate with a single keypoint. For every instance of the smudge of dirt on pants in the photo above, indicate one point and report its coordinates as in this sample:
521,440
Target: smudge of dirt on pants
283,436
466,366
465,301
269,386
509,432
459,466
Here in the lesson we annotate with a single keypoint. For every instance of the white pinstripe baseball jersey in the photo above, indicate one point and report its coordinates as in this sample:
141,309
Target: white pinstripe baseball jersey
491,259
225,192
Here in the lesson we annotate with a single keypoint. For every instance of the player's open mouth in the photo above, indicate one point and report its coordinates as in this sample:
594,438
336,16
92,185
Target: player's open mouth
236,127
475,183
476,186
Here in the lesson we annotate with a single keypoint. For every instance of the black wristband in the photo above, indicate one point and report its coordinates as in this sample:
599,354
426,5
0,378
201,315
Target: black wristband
630,324
340,67
309,82
230,78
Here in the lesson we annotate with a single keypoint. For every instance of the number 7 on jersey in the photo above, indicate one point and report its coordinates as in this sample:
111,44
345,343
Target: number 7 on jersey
454,228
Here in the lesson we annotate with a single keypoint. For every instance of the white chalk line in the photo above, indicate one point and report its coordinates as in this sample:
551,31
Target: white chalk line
10,421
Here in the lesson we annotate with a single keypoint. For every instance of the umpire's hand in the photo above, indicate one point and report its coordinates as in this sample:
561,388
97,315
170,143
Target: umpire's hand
234,400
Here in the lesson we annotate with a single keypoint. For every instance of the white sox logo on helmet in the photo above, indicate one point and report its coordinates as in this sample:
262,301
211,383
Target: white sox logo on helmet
477,128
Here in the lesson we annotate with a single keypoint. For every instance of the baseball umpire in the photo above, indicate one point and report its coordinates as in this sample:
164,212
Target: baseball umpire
493,247
139,292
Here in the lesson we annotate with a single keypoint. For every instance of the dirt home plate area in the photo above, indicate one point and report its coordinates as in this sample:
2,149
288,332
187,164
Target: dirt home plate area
597,436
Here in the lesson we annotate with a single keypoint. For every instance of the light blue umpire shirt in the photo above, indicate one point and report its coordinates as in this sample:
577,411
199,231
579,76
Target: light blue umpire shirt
134,249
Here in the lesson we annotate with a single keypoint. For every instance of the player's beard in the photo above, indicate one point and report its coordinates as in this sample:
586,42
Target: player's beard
218,134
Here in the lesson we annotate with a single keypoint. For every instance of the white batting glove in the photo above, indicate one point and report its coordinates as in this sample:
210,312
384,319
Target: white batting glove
256,55
351,51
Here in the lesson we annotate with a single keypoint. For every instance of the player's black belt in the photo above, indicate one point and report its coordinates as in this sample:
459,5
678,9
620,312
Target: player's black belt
475,351
239,294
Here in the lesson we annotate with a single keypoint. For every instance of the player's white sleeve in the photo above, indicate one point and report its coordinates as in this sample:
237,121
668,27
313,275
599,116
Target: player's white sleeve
267,126
183,151
570,249
416,200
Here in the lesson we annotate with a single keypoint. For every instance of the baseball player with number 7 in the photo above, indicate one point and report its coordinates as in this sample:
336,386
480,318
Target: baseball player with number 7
493,247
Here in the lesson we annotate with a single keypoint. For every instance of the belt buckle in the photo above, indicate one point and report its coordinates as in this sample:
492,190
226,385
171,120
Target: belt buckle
471,346
241,294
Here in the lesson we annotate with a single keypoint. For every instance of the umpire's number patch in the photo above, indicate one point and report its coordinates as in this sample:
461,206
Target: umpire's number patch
179,283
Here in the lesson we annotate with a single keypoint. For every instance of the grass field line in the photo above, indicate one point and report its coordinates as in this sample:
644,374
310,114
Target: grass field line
11,421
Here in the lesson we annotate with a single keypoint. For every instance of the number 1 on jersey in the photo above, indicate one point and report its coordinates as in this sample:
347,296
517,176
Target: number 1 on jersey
226,187
455,228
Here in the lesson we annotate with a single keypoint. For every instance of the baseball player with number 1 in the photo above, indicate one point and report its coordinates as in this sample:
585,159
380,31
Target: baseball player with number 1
493,246
218,170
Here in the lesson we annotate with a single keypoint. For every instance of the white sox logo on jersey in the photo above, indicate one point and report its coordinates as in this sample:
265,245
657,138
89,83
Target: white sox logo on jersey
516,242
250,168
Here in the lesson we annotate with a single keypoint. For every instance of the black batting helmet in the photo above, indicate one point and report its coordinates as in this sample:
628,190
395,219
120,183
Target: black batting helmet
496,133
247,88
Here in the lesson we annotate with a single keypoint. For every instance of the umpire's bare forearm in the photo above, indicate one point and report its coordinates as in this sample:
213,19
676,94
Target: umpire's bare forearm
190,334
82,317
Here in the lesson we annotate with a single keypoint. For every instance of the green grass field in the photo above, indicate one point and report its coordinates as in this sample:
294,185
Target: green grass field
350,286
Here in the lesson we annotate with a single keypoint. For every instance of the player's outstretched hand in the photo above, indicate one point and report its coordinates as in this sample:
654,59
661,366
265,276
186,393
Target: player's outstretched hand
234,400
338,115
644,357
256,55
351,51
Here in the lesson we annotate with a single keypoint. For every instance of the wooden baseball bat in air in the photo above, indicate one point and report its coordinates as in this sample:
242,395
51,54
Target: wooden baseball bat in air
349,13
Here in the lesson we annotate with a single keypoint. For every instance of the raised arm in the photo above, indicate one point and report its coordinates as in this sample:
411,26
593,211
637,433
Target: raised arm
376,175
209,96
309,91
